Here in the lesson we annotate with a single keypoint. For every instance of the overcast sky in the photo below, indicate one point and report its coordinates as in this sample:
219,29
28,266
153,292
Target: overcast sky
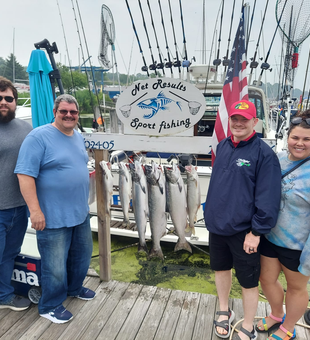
35,20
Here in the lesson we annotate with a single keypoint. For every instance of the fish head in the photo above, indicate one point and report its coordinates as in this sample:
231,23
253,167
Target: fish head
172,173
148,103
106,167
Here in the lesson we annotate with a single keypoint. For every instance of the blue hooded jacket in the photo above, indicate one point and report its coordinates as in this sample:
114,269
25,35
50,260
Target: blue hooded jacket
245,188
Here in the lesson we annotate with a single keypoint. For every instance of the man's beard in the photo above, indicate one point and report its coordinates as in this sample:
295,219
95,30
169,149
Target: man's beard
8,117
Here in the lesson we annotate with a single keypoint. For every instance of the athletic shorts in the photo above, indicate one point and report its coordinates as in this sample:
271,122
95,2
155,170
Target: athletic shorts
289,258
227,252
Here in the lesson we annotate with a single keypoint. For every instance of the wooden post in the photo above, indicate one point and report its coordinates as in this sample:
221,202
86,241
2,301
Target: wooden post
104,238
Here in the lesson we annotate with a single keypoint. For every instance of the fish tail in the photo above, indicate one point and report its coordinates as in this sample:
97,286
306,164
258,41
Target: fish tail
183,245
156,253
143,248
179,105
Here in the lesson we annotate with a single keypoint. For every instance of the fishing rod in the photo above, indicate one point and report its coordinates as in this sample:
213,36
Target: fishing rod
265,65
249,33
91,67
217,61
186,62
161,64
254,63
213,39
84,61
303,90
144,68
63,30
169,63
153,66
177,63
226,60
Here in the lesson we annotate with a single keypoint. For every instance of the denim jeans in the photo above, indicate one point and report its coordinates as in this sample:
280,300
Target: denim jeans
65,258
13,225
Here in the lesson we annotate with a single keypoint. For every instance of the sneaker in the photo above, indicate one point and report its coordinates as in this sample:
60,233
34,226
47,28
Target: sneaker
58,315
18,303
86,294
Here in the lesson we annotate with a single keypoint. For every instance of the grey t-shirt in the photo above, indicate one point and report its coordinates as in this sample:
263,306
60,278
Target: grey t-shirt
12,135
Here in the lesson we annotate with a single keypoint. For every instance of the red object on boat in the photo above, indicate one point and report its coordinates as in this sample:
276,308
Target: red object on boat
295,60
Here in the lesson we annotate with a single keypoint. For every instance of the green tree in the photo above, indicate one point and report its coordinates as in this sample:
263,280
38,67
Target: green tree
79,79
6,70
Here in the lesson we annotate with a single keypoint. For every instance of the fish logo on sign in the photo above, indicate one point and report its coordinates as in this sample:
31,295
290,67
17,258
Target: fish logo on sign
155,104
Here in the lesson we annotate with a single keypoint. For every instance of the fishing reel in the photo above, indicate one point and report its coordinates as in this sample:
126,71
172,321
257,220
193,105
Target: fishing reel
152,67
217,62
225,61
144,68
177,63
160,66
168,64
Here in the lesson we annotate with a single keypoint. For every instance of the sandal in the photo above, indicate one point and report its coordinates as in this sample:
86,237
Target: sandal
276,325
288,335
252,335
224,323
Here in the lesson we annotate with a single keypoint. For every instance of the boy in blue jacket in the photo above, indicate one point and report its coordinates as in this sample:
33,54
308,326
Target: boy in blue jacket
242,204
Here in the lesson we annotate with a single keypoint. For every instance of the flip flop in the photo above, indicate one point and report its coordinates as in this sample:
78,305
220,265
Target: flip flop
276,325
252,335
224,323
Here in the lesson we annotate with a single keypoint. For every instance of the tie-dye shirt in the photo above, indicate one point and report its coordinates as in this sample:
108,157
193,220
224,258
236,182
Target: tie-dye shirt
292,230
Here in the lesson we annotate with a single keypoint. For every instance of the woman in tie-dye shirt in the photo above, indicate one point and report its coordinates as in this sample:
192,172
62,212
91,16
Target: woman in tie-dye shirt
287,247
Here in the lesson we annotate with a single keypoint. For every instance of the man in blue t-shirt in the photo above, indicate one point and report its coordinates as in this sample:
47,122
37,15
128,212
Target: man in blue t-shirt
54,181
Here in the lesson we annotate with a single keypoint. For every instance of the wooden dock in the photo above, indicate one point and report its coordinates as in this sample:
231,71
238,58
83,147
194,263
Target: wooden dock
126,311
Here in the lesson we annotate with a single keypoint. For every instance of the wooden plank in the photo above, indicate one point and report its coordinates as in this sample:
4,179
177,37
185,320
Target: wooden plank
204,320
112,327
104,238
19,327
171,315
186,323
104,313
9,318
154,314
132,324
86,314
74,305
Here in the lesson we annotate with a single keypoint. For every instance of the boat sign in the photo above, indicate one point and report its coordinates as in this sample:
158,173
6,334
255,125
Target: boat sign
160,106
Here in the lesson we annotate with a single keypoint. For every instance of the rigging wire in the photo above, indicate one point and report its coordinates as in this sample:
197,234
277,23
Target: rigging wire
169,63
153,66
177,63
144,68
161,64
91,67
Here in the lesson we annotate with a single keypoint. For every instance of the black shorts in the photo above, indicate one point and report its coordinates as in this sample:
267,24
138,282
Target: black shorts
227,252
289,258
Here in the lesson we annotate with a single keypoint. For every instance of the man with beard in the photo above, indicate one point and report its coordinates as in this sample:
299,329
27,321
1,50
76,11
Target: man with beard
13,209
54,180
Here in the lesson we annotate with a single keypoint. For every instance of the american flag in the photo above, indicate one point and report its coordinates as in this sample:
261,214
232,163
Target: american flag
235,87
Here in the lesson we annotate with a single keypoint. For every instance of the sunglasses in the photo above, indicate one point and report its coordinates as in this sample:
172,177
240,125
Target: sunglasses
72,112
8,99
298,120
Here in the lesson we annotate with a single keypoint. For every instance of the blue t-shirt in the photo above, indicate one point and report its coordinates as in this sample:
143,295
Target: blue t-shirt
59,165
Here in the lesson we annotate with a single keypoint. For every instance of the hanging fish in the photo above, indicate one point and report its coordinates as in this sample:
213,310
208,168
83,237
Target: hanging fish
125,191
176,202
156,104
107,184
193,196
139,201
157,206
